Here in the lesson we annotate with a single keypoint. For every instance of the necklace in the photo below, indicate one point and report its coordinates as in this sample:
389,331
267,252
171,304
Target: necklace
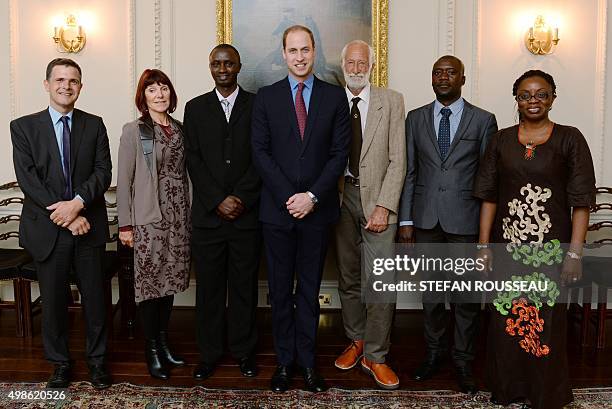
530,147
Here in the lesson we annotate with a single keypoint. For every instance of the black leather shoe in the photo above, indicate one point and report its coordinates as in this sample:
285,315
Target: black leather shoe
281,379
100,379
429,368
465,380
203,371
248,367
62,375
314,382
155,364
164,351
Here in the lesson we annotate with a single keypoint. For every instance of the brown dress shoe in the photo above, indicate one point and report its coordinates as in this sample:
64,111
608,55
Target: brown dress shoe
350,356
382,374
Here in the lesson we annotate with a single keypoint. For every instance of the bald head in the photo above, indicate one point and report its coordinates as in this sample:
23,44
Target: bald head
453,59
447,79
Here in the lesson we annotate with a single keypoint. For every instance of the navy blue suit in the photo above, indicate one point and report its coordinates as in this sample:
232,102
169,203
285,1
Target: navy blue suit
289,165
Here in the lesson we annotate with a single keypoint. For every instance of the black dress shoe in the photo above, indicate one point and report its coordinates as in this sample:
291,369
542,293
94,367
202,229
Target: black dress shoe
100,379
155,364
429,368
314,382
248,367
281,379
165,353
62,375
203,371
465,380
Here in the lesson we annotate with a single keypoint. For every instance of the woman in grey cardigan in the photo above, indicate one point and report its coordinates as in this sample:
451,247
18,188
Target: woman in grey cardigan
154,212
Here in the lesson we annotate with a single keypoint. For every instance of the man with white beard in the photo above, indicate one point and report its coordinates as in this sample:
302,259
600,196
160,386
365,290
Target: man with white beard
370,190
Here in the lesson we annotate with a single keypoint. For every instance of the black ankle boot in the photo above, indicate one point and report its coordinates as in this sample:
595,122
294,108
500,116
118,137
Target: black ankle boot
157,368
164,351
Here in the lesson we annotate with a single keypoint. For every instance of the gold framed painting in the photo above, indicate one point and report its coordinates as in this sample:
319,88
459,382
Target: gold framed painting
255,28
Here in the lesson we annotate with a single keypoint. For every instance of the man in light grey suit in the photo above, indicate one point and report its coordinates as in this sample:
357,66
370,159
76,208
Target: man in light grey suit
371,188
444,142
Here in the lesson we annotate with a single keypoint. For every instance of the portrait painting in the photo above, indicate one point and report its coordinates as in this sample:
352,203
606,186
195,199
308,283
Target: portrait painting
255,28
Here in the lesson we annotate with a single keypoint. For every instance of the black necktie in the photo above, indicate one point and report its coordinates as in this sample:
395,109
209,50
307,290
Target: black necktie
444,132
356,140
66,161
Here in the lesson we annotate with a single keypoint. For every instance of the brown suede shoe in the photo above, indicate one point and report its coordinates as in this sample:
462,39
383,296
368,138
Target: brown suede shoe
350,356
382,374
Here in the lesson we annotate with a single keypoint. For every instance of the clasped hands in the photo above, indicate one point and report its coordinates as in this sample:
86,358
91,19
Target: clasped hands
299,205
66,214
230,208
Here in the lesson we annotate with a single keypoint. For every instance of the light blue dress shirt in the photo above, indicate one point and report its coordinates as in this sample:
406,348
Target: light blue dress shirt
58,126
454,119
306,92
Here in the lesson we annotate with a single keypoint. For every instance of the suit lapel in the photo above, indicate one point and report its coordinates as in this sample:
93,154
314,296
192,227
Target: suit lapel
466,118
286,89
215,106
373,117
313,108
47,133
239,105
76,135
430,128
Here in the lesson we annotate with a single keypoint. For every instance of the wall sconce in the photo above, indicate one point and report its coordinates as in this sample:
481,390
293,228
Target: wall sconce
69,38
541,39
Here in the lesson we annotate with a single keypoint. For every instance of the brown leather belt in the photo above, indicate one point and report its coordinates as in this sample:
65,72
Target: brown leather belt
351,180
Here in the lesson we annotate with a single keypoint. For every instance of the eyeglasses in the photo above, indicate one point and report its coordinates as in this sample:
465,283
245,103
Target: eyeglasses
541,96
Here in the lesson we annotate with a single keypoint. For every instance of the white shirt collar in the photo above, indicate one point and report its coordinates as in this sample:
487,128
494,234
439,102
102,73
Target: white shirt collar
231,97
364,94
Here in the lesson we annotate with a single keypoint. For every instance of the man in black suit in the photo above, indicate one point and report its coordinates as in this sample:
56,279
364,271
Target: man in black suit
63,166
301,135
226,240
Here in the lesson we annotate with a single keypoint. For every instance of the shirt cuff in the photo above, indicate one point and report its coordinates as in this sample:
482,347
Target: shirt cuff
406,223
126,228
80,198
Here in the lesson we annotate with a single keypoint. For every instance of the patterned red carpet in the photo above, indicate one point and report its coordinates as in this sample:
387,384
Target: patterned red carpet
126,396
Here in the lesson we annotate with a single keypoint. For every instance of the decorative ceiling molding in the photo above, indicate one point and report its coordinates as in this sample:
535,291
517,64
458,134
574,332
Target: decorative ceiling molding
13,20
158,35
131,15
600,82
476,49
449,21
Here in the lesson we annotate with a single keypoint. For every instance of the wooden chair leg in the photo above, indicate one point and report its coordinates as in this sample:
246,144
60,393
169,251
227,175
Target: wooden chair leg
601,325
602,305
585,324
26,299
18,307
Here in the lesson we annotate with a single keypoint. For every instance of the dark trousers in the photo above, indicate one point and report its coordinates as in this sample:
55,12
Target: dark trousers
53,277
466,315
227,263
155,315
297,250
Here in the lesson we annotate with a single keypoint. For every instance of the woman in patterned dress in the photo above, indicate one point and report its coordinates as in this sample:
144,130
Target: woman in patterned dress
154,212
537,182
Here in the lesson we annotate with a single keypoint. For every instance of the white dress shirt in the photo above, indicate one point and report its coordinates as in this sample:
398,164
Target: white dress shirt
231,98
363,105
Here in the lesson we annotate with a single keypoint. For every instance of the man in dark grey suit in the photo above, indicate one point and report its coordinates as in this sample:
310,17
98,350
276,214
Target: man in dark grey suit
63,166
445,140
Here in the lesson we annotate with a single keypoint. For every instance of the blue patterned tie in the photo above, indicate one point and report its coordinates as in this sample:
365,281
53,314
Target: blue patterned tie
444,132
66,161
